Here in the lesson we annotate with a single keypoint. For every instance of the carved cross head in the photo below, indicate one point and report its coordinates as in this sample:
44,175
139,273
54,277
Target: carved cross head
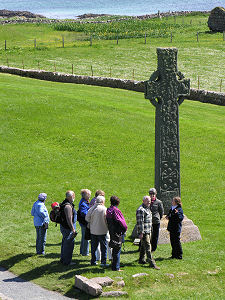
167,84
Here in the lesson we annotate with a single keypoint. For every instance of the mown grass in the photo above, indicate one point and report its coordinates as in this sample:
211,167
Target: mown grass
61,136
132,59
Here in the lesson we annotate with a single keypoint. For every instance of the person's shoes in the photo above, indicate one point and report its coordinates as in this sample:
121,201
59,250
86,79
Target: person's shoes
94,264
104,265
179,257
142,262
153,266
119,270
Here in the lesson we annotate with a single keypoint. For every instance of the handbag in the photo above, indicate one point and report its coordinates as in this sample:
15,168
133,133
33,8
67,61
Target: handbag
115,241
87,235
80,218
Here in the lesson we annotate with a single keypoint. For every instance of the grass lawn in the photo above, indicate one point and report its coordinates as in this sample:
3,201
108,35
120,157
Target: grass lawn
200,61
56,137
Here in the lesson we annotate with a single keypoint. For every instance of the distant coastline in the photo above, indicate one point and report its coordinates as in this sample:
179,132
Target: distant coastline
10,16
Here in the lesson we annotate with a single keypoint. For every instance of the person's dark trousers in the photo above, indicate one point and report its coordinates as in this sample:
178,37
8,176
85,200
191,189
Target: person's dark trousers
155,236
67,246
41,234
146,249
95,240
116,259
177,251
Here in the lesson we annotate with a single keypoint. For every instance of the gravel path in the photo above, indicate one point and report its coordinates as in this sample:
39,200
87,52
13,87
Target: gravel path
15,288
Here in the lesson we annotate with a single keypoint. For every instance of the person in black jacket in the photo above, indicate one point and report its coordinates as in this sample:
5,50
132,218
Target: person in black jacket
175,217
157,210
68,228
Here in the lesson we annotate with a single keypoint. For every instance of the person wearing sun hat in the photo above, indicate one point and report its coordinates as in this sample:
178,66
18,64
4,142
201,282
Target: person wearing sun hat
157,210
41,220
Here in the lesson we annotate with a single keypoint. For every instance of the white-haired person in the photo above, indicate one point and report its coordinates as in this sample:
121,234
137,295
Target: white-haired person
41,220
144,224
84,206
96,217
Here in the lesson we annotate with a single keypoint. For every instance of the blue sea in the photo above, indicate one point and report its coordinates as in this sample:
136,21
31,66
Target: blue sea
62,9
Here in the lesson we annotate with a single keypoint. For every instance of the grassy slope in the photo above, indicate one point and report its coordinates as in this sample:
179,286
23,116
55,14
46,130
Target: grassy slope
62,136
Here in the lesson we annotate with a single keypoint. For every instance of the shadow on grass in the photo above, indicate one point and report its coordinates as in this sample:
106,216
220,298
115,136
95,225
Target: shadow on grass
163,258
47,245
10,262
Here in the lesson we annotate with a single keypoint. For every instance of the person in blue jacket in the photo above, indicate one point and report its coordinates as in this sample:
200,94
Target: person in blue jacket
41,221
175,217
84,206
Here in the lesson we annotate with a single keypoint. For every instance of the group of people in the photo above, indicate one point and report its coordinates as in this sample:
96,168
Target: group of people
106,227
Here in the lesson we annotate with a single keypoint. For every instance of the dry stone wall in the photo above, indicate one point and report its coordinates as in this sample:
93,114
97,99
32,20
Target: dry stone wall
132,85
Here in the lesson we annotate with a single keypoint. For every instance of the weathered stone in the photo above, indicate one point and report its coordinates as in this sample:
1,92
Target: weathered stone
170,275
166,89
87,285
189,233
121,283
216,21
182,274
114,294
103,281
139,275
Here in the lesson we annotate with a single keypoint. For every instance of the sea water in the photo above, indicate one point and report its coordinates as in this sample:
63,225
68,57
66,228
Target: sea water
62,9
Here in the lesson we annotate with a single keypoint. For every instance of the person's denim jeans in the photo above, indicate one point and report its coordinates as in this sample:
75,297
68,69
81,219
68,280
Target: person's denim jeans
41,234
84,244
67,246
95,240
116,259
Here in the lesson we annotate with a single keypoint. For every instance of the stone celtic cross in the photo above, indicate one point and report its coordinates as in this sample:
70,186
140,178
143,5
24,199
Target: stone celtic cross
166,89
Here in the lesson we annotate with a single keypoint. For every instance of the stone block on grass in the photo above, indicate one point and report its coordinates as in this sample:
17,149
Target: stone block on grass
139,275
103,281
88,286
114,294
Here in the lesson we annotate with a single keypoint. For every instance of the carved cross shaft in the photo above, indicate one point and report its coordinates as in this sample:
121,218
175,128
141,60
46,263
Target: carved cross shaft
166,89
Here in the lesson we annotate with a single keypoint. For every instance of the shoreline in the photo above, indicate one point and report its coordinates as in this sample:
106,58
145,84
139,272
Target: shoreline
10,16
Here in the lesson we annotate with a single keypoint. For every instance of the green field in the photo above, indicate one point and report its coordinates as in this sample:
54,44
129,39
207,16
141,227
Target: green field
56,137
131,58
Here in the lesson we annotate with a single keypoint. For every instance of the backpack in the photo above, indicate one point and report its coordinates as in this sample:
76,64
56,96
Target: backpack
57,214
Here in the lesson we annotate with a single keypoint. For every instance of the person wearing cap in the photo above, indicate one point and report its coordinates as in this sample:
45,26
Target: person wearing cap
68,228
41,220
144,224
96,217
157,210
